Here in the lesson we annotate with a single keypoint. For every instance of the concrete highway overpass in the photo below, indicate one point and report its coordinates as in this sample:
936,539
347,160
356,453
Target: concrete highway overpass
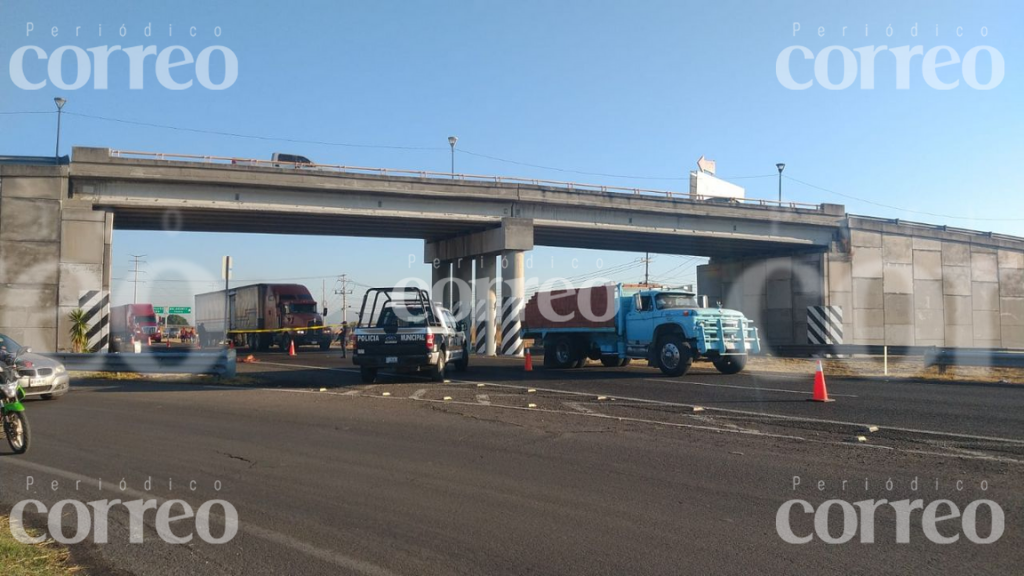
896,282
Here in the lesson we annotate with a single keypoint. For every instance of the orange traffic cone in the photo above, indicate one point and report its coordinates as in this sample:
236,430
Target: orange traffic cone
528,365
820,392
291,348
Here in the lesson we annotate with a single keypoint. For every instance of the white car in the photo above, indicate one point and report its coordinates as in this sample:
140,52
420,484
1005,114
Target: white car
47,377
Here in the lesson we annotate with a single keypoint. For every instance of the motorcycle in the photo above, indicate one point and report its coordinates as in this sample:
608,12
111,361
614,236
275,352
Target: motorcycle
12,412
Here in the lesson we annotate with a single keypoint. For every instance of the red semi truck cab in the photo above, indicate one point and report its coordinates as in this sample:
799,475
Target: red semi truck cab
130,321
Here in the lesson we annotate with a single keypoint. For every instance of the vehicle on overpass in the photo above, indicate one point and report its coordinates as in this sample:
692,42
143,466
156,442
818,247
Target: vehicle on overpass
666,327
401,329
262,315
130,322
282,160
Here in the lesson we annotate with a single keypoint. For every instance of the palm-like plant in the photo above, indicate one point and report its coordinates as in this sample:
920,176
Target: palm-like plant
79,331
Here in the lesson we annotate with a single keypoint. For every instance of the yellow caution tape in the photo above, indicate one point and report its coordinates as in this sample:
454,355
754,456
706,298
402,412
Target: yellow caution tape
276,330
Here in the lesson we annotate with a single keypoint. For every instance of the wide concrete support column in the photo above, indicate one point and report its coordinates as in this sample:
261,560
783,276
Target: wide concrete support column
462,290
486,299
773,292
513,293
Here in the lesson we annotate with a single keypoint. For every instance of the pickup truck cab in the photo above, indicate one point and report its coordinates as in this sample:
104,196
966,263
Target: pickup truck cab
401,329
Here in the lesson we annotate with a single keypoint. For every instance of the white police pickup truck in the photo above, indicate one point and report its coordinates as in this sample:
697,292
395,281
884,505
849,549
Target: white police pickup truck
400,329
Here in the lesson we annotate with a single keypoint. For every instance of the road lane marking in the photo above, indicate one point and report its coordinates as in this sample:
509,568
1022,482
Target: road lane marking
805,393
578,407
331,557
483,399
418,394
727,410
758,414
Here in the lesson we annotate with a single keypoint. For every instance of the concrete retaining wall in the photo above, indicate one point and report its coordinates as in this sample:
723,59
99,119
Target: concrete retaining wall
910,290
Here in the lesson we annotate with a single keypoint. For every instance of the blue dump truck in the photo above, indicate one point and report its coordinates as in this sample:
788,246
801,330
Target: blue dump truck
665,327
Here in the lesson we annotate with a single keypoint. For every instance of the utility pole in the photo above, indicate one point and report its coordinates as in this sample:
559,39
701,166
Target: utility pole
343,280
647,268
135,282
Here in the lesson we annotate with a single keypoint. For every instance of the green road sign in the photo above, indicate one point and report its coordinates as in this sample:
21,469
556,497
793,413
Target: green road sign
158,309
180,310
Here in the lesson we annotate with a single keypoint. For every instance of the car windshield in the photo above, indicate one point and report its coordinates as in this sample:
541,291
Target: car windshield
294,308
145,319
669,300
10,345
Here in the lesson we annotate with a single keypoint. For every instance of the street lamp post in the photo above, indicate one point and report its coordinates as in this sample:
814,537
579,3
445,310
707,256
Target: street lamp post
451,142
60,105
781,167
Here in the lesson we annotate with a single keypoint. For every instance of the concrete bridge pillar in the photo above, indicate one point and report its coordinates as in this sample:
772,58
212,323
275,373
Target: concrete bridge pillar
486,298
462,290
509,239
513,292
441,282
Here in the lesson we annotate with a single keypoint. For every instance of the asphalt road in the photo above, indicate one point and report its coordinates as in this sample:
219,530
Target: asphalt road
349,480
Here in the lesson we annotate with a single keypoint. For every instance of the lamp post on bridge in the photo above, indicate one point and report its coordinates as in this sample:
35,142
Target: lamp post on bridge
781,167
60,105
451,142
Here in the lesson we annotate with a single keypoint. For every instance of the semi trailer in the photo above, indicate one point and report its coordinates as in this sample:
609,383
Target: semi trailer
259,316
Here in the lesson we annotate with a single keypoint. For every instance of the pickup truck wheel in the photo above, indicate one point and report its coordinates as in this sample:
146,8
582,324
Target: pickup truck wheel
624,362
674,356
367,374
730,364
325,344
437,370
462,363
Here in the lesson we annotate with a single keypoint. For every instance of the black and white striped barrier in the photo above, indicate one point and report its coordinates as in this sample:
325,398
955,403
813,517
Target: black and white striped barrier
480,345
96,304
511,326
824,324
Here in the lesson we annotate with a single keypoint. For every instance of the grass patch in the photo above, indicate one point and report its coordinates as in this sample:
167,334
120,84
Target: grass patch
46,559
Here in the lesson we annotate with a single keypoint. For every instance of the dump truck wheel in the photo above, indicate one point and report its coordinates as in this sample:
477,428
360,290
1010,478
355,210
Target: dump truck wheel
674,356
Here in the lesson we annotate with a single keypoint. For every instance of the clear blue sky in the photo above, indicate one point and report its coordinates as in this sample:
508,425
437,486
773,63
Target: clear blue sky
630,88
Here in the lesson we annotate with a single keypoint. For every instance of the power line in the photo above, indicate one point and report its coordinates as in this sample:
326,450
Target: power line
252,136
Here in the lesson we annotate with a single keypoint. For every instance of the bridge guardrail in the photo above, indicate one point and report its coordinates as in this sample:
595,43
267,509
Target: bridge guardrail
220,363
574,186
945,357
